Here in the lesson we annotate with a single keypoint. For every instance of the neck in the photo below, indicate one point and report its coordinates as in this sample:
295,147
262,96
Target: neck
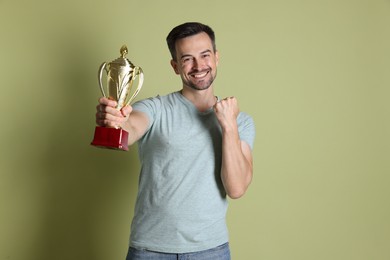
202,99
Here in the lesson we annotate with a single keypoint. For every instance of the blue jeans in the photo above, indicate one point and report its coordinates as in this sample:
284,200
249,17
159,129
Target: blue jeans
221,252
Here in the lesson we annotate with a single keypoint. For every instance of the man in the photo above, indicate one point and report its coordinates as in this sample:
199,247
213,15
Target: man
195,150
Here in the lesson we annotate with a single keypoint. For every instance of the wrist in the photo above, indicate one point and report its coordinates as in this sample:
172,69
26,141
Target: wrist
230,132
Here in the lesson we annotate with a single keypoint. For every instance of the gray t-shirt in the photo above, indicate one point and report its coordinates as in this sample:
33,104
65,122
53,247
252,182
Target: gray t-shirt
181,203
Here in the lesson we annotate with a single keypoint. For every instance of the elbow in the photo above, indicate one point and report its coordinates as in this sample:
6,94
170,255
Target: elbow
235,193
236,187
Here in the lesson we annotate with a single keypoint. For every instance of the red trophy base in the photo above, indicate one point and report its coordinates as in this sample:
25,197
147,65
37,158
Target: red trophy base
111,138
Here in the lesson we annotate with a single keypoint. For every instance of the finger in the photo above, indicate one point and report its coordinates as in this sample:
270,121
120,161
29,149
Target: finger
98,108
107,105
218,104
105,119
100,118
107,102
112,111
229,98
224,102
126,110
231,101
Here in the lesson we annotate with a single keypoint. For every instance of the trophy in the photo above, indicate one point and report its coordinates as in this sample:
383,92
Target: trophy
121,74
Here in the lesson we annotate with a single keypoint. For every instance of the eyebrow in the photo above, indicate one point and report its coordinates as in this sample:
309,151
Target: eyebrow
206,51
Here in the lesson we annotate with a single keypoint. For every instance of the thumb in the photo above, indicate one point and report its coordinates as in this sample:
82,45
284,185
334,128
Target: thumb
126,110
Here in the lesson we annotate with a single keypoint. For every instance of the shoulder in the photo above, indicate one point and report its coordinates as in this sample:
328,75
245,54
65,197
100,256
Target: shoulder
154,106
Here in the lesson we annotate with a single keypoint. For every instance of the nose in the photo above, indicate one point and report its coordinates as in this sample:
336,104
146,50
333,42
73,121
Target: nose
197,64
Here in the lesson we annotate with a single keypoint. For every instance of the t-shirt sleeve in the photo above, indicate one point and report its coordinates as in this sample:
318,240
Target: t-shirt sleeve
150,107
246,128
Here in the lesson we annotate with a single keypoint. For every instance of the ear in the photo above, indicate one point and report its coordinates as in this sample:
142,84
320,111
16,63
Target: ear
174,66
216,57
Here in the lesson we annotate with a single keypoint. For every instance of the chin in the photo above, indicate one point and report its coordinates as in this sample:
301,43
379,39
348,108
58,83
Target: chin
200,88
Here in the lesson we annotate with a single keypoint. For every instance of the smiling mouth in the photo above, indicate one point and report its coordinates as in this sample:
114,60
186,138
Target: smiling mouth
200,75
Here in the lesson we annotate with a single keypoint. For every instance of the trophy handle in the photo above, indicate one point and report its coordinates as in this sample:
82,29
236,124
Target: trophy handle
136,72
100,75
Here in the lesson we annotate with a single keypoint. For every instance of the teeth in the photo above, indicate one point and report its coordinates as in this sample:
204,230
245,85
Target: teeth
200,75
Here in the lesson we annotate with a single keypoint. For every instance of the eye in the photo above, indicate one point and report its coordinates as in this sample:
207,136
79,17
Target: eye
186,60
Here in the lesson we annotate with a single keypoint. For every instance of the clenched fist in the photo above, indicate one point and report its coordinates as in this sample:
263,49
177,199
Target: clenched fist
227,111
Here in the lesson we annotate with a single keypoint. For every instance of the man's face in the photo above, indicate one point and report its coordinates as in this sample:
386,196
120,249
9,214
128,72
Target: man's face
196,62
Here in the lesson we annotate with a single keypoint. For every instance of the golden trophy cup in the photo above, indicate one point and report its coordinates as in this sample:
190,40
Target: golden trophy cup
121,74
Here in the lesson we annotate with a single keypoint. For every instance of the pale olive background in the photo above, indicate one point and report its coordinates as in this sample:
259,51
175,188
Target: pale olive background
315,75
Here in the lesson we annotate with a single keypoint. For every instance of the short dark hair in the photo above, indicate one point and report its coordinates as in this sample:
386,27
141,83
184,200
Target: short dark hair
188,29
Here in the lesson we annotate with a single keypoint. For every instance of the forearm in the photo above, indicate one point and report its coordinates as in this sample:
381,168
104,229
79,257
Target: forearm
236,169
132,136
136,126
